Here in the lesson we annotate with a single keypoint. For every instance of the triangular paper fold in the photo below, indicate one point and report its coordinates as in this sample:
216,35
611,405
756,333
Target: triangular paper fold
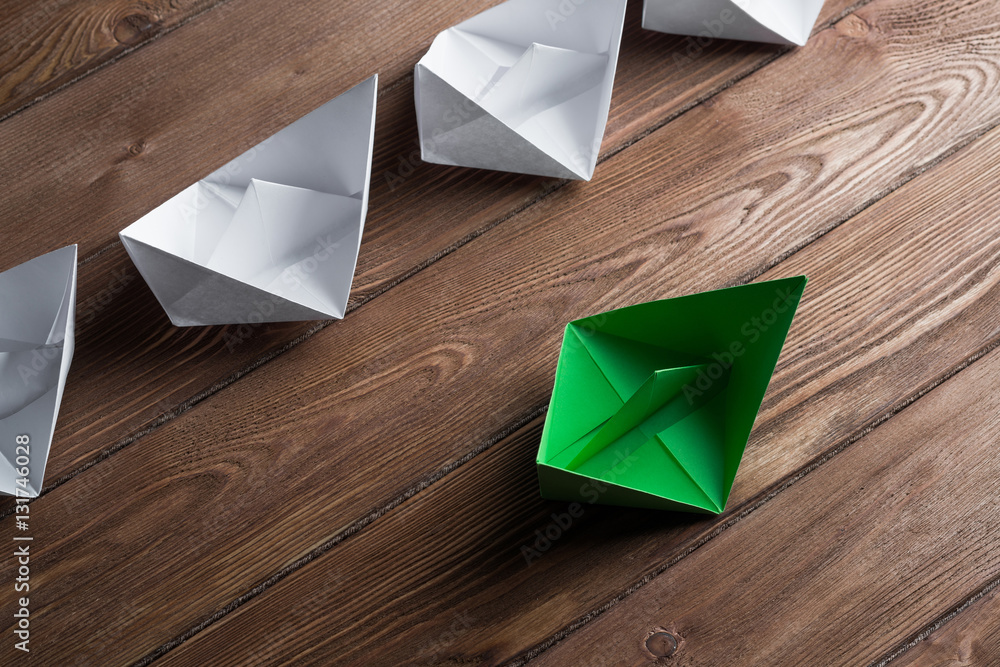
461,144
524,86
771,21
274,235
193,294
656,401
37,334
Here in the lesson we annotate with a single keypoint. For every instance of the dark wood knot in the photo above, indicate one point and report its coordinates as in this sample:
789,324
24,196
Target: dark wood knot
133,28
661,644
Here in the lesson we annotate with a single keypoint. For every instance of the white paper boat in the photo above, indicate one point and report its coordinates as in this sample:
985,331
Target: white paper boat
38,302
274,235
522,87
772,21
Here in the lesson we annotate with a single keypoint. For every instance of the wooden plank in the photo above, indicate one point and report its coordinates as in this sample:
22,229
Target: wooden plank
127,341
478,334
919,272
45,45
845,564
971,638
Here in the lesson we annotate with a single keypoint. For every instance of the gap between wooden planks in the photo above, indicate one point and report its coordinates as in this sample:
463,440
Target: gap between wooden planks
970,636
125,340
195,471
917,273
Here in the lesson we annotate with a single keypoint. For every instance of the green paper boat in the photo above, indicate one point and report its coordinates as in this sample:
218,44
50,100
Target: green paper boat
653,404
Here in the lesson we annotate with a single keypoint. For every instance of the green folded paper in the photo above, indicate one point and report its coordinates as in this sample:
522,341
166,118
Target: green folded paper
653,404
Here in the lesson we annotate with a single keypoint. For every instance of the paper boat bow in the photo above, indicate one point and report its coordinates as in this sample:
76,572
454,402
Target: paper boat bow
772,21
653,404
38,302
522,87
274,235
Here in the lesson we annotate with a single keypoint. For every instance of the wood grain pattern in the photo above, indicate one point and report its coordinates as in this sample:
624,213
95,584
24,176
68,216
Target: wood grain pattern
366,423
894,274
444,207
843,565
44,45
126,148
127,341
124,151
971,638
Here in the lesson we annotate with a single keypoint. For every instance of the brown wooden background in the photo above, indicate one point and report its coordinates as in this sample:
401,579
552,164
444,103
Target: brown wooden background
358,492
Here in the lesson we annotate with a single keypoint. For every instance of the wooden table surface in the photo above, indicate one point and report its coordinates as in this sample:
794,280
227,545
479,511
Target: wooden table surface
359,492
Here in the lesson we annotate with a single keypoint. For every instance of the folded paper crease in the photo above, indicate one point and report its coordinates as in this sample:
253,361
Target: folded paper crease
272,236
770,21
653,404
37,338
524,87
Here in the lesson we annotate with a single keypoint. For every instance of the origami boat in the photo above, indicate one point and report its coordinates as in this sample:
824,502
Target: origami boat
772,21
274,235
38,300
524,87
653,404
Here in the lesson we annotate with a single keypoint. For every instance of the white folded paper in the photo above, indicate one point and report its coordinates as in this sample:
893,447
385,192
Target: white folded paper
522,87
38,307
772,21
274,235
